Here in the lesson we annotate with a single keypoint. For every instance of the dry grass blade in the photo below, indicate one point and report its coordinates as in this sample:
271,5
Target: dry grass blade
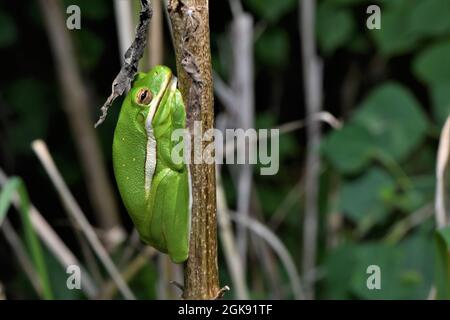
288,202
54,244
12,187
443,156
231,253
312,67
76,104
125,26
2,292
414,219
21,254
132,268
73,208
323,116
275,243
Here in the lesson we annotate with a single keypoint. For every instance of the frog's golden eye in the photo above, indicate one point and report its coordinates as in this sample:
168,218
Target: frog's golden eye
144,96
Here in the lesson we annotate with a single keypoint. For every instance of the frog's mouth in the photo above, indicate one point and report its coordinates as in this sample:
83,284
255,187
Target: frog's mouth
169,86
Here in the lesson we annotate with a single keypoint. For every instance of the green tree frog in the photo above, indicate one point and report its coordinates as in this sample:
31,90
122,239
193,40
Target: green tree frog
155,190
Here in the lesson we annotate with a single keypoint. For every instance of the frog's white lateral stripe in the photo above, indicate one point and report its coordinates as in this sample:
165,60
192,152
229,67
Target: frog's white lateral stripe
150,156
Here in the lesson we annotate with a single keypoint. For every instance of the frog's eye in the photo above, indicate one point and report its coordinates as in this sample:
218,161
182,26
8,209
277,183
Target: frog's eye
144,96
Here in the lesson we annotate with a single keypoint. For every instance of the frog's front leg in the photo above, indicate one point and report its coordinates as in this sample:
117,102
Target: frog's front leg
178,122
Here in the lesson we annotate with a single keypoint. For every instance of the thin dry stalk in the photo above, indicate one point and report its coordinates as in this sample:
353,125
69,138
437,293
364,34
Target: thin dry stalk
109,289
275,243
227,238
125,25
76,105
21,254
55,245
443,156
312,78
75,211
155,40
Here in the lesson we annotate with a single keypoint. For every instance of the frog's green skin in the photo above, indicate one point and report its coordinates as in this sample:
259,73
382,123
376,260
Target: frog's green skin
154,189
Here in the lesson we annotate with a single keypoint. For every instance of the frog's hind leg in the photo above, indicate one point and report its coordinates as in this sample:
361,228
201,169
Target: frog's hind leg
174,191
156,208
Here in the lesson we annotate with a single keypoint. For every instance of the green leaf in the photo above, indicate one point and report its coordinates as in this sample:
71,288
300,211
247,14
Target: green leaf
15,185
329,36
408,201
348,157
396,35
418,256
394,120
58,279
419,192
363,200
431,65
272,48
8,30
389,123
440,95
431,17
389,260
406,271
339,265
271,10
442,272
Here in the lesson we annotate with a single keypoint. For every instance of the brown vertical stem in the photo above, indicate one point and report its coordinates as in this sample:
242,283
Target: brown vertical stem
190,25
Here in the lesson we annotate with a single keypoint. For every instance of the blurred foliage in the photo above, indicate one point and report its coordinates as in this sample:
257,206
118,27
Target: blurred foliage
329,16
408,277
377,170
376,153
8,30
277,39
11,187
365,199
393,123
29,125
271,10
